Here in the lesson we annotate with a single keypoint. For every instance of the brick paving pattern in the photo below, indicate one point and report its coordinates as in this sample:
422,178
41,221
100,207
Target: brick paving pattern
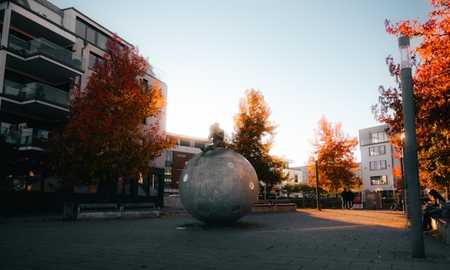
307,239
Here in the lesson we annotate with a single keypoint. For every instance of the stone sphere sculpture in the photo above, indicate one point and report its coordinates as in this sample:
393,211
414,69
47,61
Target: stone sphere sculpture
218,186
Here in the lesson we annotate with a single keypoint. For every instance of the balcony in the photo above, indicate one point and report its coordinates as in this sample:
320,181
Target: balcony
41,46
26,138
36,92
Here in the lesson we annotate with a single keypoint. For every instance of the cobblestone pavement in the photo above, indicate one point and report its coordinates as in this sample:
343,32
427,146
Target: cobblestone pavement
307,239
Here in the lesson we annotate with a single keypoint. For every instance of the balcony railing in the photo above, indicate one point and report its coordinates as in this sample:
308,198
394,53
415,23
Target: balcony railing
41,46
26,137
36,91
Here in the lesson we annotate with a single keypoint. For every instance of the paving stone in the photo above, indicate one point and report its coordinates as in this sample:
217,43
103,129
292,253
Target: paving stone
331,239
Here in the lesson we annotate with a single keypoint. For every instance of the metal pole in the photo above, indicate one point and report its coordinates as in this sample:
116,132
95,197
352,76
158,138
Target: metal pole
410,151
405,186
317,187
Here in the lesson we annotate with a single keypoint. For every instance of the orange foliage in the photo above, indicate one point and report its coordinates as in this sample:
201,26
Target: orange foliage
105,137
431,93
253,137
335,157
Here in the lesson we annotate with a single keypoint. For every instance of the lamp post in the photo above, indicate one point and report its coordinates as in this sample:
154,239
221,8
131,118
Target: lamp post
316,159
410,150
402,175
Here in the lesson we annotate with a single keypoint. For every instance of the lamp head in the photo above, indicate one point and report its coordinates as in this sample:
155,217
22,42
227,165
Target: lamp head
405,52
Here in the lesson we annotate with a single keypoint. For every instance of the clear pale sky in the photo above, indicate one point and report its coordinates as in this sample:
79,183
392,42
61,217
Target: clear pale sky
309,58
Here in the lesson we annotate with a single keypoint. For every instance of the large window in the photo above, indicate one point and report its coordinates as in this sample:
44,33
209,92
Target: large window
91,34
185,143
377,150
376,165
378,137
94,59
378,180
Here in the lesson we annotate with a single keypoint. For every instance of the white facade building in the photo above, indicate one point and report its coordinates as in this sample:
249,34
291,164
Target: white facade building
377,160
296,175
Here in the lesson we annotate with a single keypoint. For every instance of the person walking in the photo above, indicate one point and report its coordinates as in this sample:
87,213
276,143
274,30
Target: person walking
350,196
344,196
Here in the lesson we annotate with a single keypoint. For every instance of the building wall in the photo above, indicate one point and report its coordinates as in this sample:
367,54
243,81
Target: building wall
376,159
185,148
296,175
179,161
38,20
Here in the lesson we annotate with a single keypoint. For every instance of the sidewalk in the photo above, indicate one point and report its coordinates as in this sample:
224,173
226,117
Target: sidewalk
307,239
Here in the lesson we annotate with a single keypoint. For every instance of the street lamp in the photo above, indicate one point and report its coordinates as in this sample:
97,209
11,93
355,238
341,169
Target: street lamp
402,174
410,149
316,161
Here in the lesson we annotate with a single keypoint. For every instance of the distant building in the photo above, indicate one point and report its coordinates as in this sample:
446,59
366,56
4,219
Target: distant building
296,175
175,158
377,159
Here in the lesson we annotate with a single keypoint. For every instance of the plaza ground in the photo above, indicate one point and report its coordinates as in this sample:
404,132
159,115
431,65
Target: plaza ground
306,239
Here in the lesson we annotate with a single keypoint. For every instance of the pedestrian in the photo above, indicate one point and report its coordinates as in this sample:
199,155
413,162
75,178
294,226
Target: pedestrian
350,199
344,196
434,201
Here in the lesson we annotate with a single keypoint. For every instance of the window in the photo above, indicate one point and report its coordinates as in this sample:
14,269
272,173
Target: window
5,128
91,34
185,143
378,180
80,29
376,165
378,137
296,178
42,134
377,150
94,60
101,41
145,84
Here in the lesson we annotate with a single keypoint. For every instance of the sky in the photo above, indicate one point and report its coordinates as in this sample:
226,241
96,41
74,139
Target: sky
309,58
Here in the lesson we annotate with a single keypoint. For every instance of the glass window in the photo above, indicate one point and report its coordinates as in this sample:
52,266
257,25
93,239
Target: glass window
377,150
378,165
378,137
185,143
90,35
80,29
378,180
94,60
5,129
101,41
42,134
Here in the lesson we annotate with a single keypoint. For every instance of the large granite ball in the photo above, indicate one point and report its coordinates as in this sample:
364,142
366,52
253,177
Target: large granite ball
218,186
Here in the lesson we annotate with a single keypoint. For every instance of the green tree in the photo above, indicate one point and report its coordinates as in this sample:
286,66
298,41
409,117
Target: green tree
253,138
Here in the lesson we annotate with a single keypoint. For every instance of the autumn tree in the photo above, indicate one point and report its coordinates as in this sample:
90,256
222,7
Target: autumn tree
431,93
253,138
106,136
335,157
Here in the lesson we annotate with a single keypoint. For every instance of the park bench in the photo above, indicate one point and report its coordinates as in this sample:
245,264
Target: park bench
271,207
74,211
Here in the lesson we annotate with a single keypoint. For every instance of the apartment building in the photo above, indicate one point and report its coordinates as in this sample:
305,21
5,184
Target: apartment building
377,159
45,50
185,148
296,175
